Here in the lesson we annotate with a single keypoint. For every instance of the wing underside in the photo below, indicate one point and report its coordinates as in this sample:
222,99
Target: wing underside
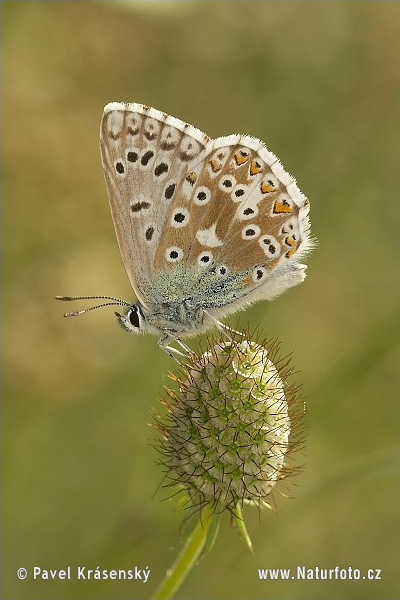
177,197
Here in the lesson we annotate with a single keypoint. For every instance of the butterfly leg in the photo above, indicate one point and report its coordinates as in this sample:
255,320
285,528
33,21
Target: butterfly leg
225,329
182,344
163,344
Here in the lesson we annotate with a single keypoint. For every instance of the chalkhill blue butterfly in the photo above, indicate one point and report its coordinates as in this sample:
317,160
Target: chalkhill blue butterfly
204,226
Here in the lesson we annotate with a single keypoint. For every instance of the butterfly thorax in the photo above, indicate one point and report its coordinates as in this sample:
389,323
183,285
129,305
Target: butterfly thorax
180,317
181,300
176,318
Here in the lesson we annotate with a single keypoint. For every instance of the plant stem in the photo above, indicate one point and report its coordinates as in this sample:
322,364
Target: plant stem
242,527
187,558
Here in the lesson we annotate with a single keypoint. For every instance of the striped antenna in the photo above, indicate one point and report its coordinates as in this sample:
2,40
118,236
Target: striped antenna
75,313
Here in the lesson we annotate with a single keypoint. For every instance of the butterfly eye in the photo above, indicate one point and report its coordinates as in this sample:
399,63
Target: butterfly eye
134,317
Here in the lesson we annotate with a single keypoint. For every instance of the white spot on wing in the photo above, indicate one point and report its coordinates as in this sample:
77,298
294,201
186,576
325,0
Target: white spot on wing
173,254
202,195
170,136
208,237
259,274
152,128
115,122
180,217
205,258
251,232
227,183
270,246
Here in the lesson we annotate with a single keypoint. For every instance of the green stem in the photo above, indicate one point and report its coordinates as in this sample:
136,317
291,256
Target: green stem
242,527
187,558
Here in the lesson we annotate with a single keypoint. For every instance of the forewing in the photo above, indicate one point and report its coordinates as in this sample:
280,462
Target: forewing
145,154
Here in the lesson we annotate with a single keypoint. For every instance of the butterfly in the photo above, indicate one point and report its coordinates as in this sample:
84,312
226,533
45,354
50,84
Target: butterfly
205,227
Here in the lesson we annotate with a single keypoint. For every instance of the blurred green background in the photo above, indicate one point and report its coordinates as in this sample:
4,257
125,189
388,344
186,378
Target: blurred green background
317,81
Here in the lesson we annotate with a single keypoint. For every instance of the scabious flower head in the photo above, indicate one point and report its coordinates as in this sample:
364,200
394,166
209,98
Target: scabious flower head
232,425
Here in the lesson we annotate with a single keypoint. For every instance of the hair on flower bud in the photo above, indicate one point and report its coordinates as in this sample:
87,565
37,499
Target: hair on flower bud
233,423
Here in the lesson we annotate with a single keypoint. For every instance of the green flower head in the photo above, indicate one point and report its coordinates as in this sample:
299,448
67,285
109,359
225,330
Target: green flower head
233,424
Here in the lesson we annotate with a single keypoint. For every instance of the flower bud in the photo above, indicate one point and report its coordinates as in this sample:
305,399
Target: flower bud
231,428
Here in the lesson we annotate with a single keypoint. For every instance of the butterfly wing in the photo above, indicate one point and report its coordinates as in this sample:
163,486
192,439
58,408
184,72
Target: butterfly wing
145,153
238,212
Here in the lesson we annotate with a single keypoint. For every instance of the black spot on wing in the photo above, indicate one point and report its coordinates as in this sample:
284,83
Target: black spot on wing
169,191
146,157
149,233
132,156
140,206
160,169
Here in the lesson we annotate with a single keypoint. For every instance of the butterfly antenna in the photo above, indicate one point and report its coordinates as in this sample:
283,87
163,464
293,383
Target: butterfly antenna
75,313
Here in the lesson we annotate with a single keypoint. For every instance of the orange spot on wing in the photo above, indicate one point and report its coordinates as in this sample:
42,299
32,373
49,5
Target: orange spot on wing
241,158
282,206
266,187
293,245
215,165
191,178
255,167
